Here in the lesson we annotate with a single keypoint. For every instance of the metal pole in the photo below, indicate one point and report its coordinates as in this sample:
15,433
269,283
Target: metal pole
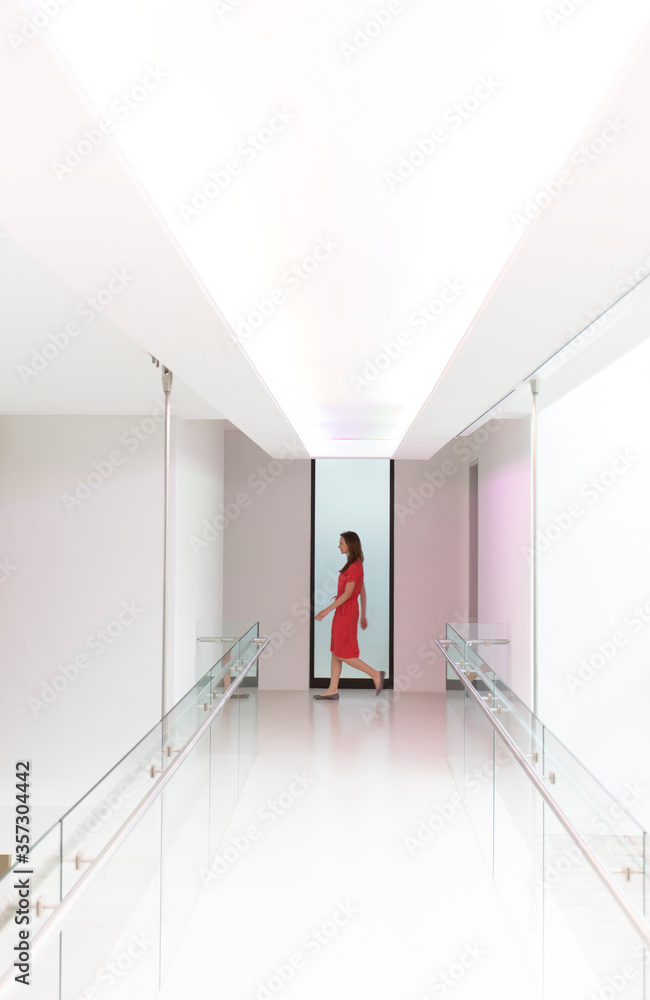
534,385
167,379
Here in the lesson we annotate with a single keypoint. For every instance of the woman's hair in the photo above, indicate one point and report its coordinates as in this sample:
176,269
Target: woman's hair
355,551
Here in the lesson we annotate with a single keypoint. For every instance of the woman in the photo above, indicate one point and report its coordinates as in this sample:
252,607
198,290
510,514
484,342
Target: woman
344,645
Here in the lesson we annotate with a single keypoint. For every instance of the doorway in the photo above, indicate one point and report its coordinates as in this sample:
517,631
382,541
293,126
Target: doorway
353,495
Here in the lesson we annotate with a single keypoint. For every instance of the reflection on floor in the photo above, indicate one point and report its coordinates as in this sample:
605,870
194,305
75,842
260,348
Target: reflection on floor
349,869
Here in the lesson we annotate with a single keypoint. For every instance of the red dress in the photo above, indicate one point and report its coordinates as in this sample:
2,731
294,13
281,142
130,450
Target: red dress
346,617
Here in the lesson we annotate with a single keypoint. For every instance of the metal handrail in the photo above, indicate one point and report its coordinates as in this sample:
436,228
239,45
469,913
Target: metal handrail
640,924
44,935
217,638
486,642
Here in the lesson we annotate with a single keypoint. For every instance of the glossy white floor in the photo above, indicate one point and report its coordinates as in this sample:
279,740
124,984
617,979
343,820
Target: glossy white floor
322,893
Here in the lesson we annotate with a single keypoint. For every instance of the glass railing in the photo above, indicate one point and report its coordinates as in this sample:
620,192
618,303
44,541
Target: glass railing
113,882
486,639
567,858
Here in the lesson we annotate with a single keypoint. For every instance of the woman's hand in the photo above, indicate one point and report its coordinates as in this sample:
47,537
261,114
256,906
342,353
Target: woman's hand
322,614
363,621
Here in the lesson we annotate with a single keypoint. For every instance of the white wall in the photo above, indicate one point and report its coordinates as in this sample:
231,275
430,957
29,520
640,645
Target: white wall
74,572
267,554
74,567
504,539
594,588
196,569
431,561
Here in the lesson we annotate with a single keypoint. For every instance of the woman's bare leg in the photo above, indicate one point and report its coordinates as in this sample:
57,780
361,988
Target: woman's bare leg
360,665
335,672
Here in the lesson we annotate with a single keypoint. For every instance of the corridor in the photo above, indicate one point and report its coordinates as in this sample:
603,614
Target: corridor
348,869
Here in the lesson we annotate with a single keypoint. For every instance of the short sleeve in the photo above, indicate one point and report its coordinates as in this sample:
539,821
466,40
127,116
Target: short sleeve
354,572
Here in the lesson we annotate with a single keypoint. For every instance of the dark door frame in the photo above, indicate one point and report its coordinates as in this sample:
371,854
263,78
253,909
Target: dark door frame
352,682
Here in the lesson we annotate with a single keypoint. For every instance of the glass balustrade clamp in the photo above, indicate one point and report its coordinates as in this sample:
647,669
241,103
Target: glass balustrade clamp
628,872
79,861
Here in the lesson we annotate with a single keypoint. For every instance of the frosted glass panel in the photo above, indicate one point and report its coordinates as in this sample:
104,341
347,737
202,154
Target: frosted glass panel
353,495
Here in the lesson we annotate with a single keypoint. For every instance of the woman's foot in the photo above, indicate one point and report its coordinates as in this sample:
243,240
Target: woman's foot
327,697
380,682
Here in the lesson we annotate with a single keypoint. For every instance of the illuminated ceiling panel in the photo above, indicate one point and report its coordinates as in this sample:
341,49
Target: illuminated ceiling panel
346,182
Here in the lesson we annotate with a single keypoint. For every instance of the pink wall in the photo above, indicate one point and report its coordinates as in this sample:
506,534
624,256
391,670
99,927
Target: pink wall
269,539
266,541
431,560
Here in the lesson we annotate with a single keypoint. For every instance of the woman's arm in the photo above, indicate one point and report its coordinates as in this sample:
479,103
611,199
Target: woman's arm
363,621
346,595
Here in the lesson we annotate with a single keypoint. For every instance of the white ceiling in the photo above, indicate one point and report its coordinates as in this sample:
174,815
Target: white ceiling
331,124
58,361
